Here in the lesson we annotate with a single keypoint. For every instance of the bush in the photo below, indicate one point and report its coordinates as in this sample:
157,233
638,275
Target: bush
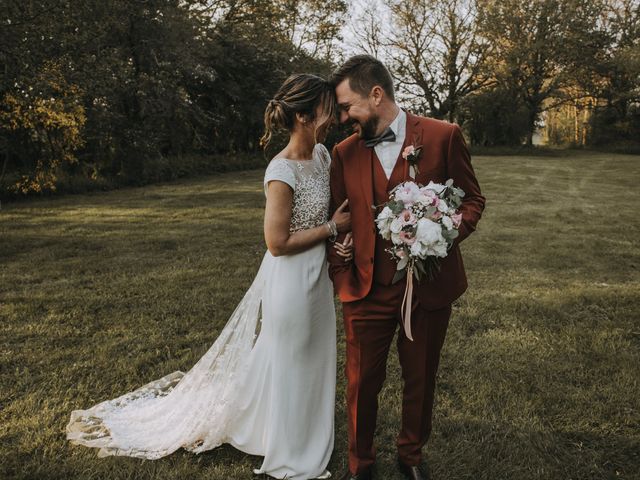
495,117
49,119
615,129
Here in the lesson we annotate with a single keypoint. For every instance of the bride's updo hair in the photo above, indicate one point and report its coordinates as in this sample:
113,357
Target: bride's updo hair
300,93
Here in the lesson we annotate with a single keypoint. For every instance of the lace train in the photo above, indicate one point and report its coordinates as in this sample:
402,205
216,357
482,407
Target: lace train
189,410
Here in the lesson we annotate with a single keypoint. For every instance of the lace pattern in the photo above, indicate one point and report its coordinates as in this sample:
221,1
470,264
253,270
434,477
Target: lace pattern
309,180
179,410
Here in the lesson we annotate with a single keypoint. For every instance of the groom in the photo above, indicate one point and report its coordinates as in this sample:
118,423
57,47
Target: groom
365,167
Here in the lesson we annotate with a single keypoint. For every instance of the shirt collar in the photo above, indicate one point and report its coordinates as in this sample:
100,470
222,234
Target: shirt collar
399,124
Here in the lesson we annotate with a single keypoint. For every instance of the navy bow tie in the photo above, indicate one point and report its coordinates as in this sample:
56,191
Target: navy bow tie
386,136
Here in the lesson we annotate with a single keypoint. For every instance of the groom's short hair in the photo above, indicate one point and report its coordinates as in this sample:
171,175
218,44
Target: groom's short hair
364,72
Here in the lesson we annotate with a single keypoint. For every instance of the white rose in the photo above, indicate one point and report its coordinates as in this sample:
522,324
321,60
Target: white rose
442,206
385,232
418,249
383,221
436,187
428,232
385,214
447,222
439,249
396,225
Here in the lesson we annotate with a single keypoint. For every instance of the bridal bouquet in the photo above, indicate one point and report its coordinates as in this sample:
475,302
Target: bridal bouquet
422,223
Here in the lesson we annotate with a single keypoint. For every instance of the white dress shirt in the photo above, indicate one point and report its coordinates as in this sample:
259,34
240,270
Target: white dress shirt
388,152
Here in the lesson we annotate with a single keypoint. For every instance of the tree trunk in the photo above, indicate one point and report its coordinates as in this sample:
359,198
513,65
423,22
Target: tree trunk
576,126
4,168
533,116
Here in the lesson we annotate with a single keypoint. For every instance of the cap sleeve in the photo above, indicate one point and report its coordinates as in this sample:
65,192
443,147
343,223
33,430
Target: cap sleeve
279,169
323,153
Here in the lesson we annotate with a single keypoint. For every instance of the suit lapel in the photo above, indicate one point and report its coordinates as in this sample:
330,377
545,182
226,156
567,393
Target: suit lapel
365,170
413,136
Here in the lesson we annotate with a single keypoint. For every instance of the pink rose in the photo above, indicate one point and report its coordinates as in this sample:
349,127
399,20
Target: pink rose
407,217
457,219
408,151
407,238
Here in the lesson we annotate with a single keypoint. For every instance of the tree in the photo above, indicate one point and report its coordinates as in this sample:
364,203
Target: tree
433,49
536,45
313,25
617,74
152,78
49,119
440,53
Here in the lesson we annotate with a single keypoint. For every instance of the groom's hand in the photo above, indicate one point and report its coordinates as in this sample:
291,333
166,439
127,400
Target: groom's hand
345,248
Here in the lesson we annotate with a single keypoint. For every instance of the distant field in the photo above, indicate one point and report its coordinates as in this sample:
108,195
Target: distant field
540,376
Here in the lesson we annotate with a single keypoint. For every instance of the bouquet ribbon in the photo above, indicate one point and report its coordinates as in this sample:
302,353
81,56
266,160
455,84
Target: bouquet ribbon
406,303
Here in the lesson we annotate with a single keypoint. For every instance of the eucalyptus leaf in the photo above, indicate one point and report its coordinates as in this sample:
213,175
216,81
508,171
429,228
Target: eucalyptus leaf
396,206
433,267
450,235
400,274
403,263
449,183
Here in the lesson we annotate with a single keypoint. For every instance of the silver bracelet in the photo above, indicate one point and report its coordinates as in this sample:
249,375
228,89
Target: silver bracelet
333,230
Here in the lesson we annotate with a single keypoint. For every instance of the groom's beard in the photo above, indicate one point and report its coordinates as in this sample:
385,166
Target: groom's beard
368,129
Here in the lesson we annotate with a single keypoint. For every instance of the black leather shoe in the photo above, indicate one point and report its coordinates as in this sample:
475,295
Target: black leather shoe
413,472
366,475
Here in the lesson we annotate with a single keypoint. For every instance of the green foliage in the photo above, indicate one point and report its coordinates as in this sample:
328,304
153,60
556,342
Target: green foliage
498,66
617,78
608,126
536,48
47,116
151,80
495,116
136,83
396,206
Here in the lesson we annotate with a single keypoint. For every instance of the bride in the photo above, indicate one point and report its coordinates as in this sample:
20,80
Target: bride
267,384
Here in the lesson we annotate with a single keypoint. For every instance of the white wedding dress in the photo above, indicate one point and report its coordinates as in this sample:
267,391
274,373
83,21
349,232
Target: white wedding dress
266,385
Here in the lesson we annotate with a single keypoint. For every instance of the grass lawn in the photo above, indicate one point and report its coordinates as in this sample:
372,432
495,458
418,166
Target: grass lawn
101,293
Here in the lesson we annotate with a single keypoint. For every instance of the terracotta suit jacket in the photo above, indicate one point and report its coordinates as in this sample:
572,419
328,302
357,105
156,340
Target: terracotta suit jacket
444,155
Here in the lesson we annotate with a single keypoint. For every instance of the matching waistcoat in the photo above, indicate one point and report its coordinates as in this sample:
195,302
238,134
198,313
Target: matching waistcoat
384,266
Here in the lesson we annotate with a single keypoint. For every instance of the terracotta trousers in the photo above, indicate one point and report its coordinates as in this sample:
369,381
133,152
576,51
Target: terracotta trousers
370,325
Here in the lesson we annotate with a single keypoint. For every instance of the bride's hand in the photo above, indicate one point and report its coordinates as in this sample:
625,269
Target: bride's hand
342,218
345,249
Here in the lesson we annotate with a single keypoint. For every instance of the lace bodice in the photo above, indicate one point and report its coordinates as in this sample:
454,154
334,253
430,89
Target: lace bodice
309,180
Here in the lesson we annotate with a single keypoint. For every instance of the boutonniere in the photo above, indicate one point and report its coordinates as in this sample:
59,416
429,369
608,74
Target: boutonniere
412,154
